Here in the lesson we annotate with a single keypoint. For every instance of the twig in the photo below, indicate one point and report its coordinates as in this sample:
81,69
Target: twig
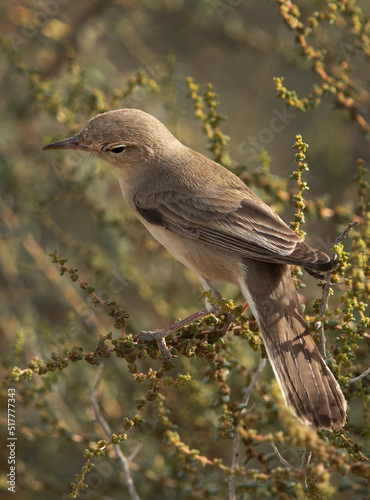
107,431
306,457
135,452
243,411
326,293
356,379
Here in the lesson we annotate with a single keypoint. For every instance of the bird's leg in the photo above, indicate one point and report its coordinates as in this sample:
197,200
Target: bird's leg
208,285
160,335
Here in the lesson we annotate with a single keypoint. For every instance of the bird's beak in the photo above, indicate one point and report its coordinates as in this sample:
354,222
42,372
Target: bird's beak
74,142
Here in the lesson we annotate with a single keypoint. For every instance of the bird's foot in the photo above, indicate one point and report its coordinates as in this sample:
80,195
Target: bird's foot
160,335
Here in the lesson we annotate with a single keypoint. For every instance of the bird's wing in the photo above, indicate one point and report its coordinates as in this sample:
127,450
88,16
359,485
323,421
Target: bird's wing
235,220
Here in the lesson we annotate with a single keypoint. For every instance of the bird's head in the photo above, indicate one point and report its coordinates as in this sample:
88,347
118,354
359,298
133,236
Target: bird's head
125,138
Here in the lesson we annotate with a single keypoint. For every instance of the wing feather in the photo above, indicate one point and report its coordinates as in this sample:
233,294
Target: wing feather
235,220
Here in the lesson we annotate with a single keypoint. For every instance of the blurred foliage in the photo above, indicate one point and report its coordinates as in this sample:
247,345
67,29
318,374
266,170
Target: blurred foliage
176,426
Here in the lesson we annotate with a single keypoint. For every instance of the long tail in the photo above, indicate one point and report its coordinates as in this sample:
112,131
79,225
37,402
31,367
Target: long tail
308,386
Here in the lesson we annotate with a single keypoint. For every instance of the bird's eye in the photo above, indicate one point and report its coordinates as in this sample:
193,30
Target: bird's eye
118,149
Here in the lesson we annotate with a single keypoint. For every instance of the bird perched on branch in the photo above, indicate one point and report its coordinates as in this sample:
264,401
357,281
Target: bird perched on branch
217,227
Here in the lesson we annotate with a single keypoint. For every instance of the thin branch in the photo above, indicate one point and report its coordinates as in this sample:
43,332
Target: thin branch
95,404
356,379
124,462
306,457
135,452
243,411
326,293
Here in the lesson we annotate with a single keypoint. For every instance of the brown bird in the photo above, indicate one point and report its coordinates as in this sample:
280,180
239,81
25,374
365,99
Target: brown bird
217,227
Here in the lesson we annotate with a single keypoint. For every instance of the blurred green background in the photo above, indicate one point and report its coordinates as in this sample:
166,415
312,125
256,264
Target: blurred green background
63,62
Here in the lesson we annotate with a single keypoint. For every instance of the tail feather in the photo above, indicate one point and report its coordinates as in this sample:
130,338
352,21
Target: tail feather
307,384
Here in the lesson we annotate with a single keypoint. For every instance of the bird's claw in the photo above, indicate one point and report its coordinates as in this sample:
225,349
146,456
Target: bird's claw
143,337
